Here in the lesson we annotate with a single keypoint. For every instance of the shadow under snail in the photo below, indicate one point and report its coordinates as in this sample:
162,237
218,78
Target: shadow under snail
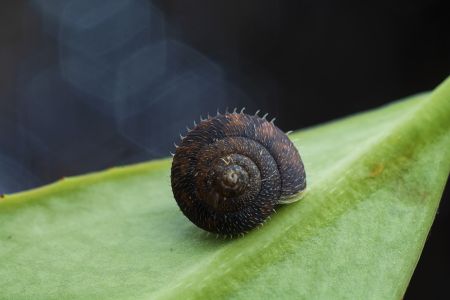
232,170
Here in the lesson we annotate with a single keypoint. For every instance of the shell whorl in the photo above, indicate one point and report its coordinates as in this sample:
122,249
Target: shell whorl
231,170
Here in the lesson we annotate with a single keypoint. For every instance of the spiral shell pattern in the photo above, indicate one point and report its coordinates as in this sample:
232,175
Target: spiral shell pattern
231,170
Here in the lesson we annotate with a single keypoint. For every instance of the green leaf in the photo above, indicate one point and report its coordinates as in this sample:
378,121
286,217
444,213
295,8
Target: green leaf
375,180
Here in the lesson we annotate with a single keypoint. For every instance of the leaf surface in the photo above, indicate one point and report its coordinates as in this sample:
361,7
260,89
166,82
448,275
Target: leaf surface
374,184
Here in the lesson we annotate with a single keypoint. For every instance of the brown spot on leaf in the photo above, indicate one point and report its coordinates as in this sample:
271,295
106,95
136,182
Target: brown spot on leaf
377,170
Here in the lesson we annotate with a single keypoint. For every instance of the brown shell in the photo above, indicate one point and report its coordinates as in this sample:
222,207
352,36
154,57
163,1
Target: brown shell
230,172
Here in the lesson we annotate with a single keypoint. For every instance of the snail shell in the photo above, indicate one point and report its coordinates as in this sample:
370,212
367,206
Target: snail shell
231,170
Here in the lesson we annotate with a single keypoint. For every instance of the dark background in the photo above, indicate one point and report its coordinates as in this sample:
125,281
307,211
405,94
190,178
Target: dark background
88,84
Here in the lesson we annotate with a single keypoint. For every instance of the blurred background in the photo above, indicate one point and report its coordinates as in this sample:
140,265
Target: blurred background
89,84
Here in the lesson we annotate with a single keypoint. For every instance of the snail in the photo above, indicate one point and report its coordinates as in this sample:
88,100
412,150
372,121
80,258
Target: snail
231,171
